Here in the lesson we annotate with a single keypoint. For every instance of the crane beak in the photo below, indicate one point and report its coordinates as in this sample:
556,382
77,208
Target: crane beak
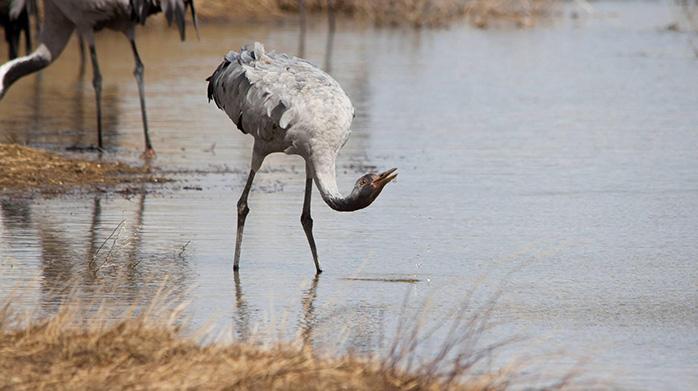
385,177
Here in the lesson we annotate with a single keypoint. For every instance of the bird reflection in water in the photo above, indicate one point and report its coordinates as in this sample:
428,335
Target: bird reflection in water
93,240
242,313
133,256
309,320
96,272
58,269
306,324
16,215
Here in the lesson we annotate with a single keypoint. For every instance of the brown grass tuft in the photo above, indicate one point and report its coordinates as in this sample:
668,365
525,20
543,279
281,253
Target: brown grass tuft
523,13
225,10
417,13
147,351
23,168
140,353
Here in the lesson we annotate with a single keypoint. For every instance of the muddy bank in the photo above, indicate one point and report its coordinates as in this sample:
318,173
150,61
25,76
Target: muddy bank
24,169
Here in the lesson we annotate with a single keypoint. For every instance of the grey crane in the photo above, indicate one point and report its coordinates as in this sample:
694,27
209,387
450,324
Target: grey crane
62,17
289,105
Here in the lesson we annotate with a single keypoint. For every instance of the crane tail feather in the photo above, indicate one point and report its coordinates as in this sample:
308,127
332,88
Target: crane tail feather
175,12
194,19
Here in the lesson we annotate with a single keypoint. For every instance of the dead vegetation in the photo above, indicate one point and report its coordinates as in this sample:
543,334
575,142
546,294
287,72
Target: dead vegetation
247,10
24,168
417,13
70,350
523,13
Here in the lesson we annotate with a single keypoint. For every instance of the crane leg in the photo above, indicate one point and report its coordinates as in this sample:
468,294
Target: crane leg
307,221
26,27
81,46
243,210
138,72
13,42
97,84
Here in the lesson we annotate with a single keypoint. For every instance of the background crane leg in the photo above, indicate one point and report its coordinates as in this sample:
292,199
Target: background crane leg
97,84
138,72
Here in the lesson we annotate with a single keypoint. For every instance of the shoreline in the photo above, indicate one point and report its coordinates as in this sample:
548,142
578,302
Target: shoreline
30,170
150,349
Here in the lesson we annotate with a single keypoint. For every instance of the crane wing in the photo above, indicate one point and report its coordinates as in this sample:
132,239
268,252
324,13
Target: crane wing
256,92
174,10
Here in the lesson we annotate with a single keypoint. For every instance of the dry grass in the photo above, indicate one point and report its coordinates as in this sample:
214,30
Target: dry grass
226,10
418,13
23,168
523,13
147,351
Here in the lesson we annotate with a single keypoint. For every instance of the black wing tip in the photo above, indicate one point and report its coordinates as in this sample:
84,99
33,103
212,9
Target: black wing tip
180,15
227,60
194,18
210,88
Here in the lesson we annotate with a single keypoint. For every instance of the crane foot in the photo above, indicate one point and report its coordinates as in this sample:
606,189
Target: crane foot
148,154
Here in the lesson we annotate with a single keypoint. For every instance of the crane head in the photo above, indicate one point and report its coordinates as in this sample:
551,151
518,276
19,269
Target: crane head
369,186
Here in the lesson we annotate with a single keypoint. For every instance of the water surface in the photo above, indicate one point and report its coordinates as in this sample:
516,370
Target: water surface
560,161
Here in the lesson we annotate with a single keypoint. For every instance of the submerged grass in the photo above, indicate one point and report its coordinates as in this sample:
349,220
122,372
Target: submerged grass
417,13
146,349
24,168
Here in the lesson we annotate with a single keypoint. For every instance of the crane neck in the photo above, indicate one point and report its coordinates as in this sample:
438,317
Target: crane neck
15,69
55,34
324,173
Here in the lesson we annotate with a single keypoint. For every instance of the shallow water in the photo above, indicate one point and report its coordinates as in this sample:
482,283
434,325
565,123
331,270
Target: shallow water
559,161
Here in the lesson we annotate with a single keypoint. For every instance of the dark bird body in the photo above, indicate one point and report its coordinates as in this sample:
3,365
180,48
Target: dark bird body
14,18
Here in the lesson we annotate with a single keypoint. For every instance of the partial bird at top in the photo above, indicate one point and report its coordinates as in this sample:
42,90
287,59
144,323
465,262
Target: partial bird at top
62,17
14,18
289,105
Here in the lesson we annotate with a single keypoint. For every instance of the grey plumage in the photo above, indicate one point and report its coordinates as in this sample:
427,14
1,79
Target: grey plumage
259,108
289,105
266,94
